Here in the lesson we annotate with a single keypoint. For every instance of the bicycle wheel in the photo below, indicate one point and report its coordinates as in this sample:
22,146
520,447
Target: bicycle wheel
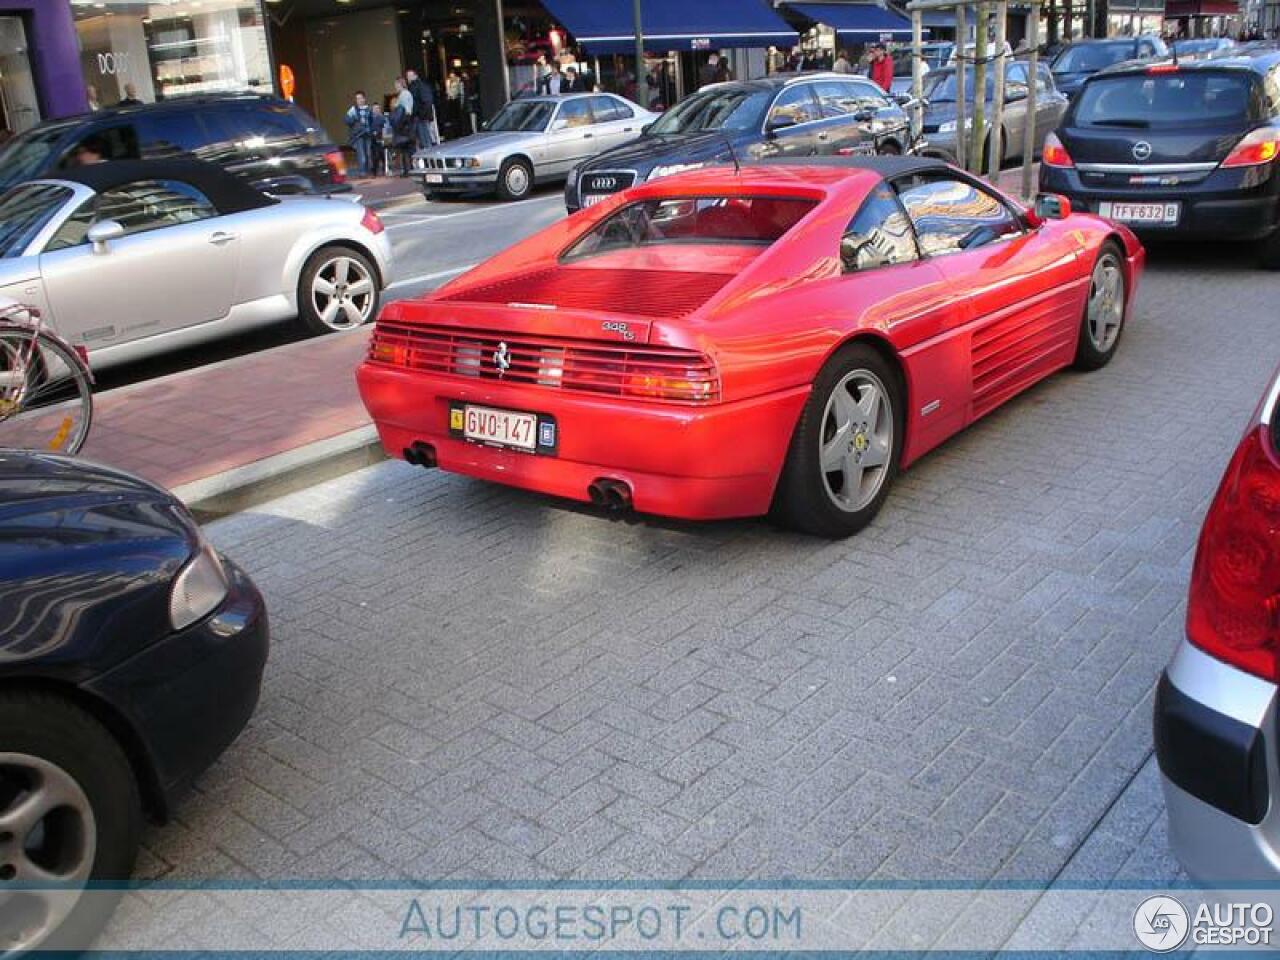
46,399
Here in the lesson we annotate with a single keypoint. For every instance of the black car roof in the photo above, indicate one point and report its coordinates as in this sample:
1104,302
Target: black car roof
228,193
1257,59
179,103
886,166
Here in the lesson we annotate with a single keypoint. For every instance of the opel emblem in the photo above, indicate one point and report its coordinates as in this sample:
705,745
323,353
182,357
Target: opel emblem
1141,150
502,358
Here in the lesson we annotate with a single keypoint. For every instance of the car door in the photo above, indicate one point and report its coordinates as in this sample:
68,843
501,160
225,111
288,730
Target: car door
791,124
176,265
1051,104
615,122
849,119
571,137
1019,285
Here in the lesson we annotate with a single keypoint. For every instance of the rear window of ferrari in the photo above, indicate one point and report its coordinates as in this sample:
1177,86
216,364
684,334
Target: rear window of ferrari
738,220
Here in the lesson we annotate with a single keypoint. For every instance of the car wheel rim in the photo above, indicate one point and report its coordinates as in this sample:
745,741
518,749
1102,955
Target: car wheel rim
517,180
856,440
342,293
1106,303
48,840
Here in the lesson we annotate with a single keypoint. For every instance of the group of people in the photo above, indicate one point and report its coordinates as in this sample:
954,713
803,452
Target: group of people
383,138
551,77
876,62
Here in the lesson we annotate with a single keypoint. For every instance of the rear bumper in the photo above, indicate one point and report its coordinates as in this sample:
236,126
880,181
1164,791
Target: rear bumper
695,463
1215,736
1226,205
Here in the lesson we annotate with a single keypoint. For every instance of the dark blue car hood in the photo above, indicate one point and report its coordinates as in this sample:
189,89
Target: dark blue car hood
649,151
87,556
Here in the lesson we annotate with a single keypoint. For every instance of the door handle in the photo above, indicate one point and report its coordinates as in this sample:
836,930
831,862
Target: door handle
627,129
221,237
824,135
587,136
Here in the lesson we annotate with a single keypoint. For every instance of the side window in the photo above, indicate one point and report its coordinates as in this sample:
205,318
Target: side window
603,109
573,113
953,215
1044,80
170,133
73,229
1015,81
622,109
879,235
843,98
110,143
794,105
277,124
153,204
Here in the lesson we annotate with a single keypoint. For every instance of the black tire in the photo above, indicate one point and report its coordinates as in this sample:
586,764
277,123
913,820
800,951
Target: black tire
310,313
803,500
431,196
1269,251
889,149
1089,356
60,733
508,190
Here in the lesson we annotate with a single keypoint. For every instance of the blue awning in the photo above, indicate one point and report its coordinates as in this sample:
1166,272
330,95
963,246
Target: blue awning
607,26
859,21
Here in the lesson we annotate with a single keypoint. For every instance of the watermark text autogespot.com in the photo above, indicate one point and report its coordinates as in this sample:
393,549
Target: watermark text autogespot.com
670,923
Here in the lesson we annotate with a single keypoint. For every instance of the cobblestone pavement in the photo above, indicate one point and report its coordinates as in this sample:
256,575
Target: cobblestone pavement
474,683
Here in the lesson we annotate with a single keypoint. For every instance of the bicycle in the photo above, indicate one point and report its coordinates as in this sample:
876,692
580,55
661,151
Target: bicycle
46,386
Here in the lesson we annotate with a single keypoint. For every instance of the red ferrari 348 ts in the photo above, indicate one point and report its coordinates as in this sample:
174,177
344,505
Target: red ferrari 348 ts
725,342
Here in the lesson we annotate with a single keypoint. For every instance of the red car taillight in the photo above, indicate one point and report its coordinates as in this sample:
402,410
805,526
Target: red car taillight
1054,154
371,221
337,165
1233,610
1261,146
695,385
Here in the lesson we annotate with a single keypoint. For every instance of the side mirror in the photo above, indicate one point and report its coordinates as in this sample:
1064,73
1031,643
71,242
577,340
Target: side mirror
484,124
1013,96
646,128
865,115
102,233
780,123
1052,206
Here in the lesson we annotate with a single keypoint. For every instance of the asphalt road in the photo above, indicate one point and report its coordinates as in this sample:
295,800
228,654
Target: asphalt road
433,242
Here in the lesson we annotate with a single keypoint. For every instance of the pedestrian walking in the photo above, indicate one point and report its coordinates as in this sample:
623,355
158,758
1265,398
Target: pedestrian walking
402,126
842,64
424,110
360,132
379,138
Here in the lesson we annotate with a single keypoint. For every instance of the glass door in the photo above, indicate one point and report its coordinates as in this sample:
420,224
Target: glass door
19,108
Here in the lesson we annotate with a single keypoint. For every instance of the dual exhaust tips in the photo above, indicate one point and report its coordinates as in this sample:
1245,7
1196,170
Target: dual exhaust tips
605,492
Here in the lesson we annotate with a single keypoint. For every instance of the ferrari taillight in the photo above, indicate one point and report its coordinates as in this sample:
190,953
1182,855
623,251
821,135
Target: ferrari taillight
384,351
1054,154
1261,146
689,386
1233,609
337,166
371,221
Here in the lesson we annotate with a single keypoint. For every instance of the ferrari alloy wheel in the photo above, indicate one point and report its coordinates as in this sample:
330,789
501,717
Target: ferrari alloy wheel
1104,311
338,290
844,453
515,180
70,817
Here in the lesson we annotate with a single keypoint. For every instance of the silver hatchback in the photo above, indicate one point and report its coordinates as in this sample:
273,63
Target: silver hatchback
531,140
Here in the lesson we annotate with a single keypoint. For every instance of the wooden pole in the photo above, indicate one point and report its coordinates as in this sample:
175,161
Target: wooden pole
977,132
997,103
917,73
961,106
1029,124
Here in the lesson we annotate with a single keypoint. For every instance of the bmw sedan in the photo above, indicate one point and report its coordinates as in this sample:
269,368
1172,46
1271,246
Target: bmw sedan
131,656
530,141
133,258
792,115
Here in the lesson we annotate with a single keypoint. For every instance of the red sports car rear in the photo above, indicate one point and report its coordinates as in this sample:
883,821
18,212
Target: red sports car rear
716,344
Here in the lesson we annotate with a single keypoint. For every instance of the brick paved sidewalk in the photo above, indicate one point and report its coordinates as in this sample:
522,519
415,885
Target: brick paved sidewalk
199,423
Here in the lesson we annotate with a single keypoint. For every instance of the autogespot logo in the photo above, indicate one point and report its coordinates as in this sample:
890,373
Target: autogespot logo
1161,923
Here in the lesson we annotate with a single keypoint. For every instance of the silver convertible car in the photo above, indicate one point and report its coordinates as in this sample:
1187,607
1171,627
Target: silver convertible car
530,140
135,257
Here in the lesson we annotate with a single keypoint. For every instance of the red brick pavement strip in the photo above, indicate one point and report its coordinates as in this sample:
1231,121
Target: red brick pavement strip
200,423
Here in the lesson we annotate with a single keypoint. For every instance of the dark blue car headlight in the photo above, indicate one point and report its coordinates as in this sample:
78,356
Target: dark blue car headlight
198,589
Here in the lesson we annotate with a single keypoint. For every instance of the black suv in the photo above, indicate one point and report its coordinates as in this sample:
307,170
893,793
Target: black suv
1186,149
267,141
788,115
1079,61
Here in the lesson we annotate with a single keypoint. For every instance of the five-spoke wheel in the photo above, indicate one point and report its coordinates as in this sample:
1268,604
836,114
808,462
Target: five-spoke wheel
1104,311
338,290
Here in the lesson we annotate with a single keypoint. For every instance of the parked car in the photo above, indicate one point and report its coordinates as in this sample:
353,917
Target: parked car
131,655
940,115
529,141
1077,62
1186,150
1200,46
1216,703
271,143
787,115
936,56
137,257
785,336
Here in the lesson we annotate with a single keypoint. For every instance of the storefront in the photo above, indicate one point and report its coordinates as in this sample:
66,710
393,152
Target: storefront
39,72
